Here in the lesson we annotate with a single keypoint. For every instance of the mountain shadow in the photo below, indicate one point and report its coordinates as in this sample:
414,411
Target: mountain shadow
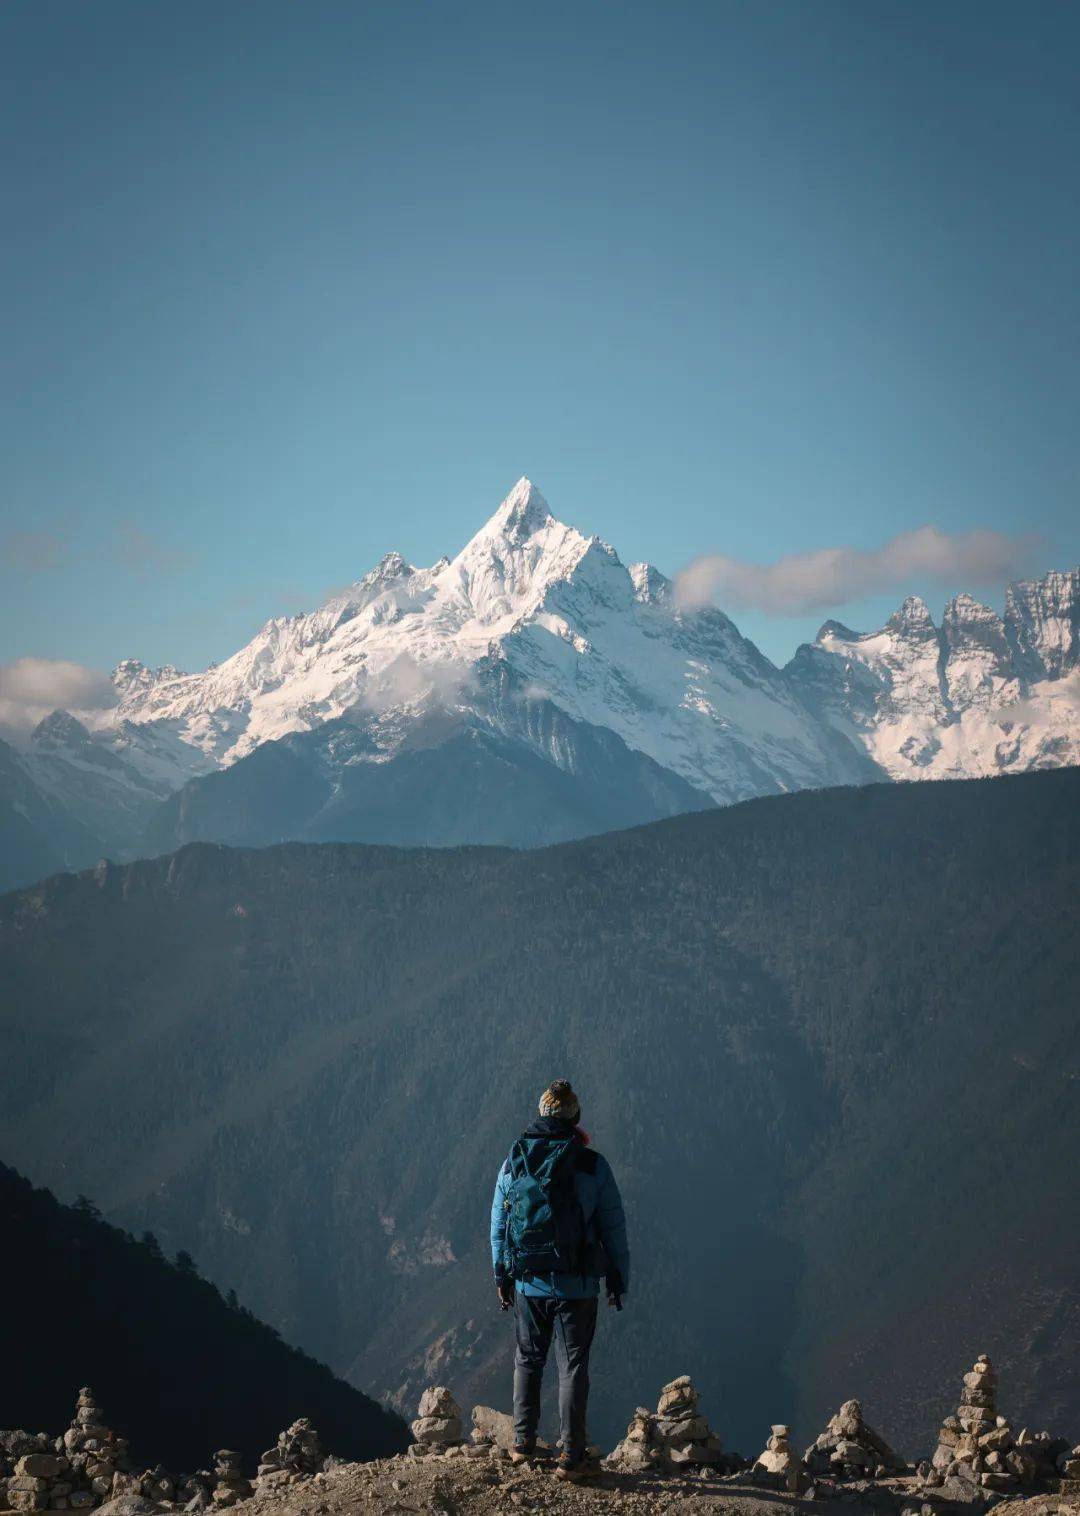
457,778
180,1370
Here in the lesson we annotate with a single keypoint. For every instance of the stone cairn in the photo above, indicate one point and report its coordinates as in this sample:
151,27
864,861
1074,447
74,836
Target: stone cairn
977,1446
437,1428
68,1473
778,1464
231,1485
297,1455
675,1435
95,1451
850,1449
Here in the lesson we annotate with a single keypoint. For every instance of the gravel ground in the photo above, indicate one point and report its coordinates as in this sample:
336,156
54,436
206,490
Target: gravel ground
482,1487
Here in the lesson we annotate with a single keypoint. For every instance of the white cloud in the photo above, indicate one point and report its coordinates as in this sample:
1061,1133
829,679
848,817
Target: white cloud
833,576
405,681
31,688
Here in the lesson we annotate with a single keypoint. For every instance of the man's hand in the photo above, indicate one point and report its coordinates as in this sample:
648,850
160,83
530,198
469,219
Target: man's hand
506,1291
614,1290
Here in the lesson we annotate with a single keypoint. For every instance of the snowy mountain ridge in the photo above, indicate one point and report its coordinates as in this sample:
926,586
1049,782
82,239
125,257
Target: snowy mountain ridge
537,644
981,695
604,642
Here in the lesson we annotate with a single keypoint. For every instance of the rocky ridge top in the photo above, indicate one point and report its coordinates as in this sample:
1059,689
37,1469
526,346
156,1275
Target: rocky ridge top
667,1458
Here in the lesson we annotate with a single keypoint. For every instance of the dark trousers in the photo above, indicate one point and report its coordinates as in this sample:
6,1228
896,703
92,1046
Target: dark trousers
573,1323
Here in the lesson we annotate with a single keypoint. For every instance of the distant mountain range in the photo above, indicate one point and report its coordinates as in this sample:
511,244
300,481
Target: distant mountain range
828,1041
530,690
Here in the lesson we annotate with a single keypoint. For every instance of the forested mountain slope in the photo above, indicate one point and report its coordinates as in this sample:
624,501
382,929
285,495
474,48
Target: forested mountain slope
180,1370
828,1041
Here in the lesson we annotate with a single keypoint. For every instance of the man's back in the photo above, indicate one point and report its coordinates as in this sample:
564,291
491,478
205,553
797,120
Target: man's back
557,1229
603,1219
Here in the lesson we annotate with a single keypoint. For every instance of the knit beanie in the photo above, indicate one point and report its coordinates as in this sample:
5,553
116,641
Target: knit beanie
559,1100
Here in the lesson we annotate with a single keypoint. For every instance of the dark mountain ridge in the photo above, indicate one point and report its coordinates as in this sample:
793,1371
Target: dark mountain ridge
828,1042
181,1370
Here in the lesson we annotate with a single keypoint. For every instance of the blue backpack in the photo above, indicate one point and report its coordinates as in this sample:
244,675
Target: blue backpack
545,1227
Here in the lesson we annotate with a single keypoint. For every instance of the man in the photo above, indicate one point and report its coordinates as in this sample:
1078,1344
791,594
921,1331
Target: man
557,1229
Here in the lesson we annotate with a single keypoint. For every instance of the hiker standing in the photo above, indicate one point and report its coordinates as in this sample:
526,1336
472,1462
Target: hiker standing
557,1229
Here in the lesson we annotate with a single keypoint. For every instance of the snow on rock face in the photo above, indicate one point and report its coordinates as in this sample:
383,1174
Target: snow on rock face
978,664
1044,622
980,696
571,625
604,643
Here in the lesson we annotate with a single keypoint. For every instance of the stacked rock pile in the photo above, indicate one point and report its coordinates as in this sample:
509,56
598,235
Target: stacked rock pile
850,1449
674,1435
977,1445
231,1484
15,1446
297,1454
37,1481
778,1464
95,1452
72,1472
437,1428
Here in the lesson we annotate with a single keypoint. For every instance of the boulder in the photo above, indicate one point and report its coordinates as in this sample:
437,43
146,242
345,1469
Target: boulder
129,1505
39,1465
438,1402
492,1428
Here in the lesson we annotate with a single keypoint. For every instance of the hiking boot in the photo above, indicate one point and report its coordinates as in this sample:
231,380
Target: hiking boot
522,1454
574,1469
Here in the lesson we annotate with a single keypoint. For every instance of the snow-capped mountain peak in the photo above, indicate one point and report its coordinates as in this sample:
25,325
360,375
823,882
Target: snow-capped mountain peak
913,619
534,629
568,621
981,695
505,570
521,514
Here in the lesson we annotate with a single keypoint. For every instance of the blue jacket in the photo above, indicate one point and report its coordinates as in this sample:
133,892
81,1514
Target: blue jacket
602,1207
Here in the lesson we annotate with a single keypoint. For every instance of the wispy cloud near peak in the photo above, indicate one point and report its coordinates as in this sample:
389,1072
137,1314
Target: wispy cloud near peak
31,688
833,576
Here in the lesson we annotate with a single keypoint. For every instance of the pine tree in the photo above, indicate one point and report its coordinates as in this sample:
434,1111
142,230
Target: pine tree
152,1246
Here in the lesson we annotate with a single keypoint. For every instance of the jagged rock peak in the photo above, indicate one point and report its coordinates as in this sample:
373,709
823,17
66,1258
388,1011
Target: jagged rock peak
1044,617
391,566
650,585
912,617
521,514
59,729
965,607
132,674
828,630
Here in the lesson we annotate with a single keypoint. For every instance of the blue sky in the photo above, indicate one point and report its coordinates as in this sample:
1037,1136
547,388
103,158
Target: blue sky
287,286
